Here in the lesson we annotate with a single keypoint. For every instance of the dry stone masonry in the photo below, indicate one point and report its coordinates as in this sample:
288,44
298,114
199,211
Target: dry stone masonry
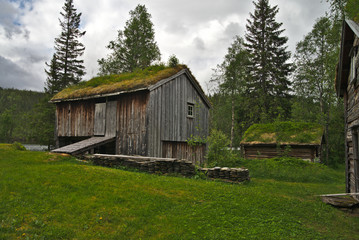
230,174
168,166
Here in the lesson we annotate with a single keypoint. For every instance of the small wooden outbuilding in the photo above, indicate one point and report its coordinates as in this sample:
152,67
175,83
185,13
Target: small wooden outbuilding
152,113
347,87
301,140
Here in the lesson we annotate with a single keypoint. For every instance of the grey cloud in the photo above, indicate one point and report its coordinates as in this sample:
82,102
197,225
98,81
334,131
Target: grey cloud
8,20
298,19
13,76
199,43
232,29
192,12
30,55
176,27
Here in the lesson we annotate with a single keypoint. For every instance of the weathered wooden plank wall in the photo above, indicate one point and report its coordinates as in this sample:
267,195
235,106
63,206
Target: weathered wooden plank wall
264,152
181,150
167,111
131,123
100,119
111,119
352,123
75,119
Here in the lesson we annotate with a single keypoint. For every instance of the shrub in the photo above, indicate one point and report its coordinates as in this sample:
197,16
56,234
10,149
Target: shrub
18,146
218,152
173,61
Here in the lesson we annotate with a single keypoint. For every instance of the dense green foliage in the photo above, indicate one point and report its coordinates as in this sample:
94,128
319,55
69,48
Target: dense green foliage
16,114
43,122
218,152
65,67
315,58
284,132
268,82
352,9
345,8
312,97
47,196
231,77
135,47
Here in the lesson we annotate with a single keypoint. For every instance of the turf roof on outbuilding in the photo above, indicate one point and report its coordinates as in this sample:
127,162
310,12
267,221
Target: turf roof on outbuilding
292,133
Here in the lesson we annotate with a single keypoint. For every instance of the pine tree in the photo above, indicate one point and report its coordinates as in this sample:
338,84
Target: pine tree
134,48
65,68
269,69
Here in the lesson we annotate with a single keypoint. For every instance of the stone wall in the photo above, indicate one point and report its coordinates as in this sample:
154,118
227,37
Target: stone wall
167,166
230,174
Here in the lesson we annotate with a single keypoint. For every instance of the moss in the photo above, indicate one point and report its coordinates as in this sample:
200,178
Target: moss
117,83
284,133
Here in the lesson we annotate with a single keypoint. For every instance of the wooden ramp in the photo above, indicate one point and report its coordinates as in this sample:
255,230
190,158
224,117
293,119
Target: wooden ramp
83,146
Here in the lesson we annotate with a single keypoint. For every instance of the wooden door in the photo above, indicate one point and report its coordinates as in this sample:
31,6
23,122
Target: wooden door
100,119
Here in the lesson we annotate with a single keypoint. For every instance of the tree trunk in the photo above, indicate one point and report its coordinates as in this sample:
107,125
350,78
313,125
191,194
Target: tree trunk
232,126
327,135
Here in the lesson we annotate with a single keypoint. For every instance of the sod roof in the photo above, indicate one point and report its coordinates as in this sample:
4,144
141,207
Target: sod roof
126,82
293,133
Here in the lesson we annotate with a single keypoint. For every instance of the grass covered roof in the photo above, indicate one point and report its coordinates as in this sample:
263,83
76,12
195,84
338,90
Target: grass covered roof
126,82
284,133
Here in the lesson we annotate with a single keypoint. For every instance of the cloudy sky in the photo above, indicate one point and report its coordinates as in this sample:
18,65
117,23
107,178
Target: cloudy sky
197,32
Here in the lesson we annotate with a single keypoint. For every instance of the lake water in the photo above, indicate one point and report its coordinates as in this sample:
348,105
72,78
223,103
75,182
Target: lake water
35,147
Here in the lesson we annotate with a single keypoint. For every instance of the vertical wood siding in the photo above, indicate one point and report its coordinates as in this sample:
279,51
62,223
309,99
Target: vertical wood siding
182,150
111,119
142,121
75,119
100,119
167,110
131,124
352,123
265,152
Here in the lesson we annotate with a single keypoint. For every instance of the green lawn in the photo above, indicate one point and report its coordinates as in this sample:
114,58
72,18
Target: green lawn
45,196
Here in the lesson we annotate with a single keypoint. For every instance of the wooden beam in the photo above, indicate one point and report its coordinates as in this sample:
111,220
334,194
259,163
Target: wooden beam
339,194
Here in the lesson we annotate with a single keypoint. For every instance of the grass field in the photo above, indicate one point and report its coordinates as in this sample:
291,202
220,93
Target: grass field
45,196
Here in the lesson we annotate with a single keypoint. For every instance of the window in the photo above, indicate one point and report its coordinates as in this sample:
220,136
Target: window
353,68
190,109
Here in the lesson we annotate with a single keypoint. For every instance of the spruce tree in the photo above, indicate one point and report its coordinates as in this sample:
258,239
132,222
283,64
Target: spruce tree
269,69
66,68
53,83
134,48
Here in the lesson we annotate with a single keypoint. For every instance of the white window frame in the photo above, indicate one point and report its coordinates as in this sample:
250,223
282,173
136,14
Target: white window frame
353,70
190,110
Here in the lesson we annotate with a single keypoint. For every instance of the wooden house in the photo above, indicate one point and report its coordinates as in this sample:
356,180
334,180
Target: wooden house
152,113
347,87
301,140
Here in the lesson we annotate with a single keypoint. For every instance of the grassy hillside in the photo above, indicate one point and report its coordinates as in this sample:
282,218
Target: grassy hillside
45,196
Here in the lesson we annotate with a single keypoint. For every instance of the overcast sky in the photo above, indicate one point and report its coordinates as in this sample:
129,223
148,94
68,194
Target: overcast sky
197,32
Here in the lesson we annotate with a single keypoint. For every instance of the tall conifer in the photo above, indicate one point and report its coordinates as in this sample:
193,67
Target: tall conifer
269,69
66,68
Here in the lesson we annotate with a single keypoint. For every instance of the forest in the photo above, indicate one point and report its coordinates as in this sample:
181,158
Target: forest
259,80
